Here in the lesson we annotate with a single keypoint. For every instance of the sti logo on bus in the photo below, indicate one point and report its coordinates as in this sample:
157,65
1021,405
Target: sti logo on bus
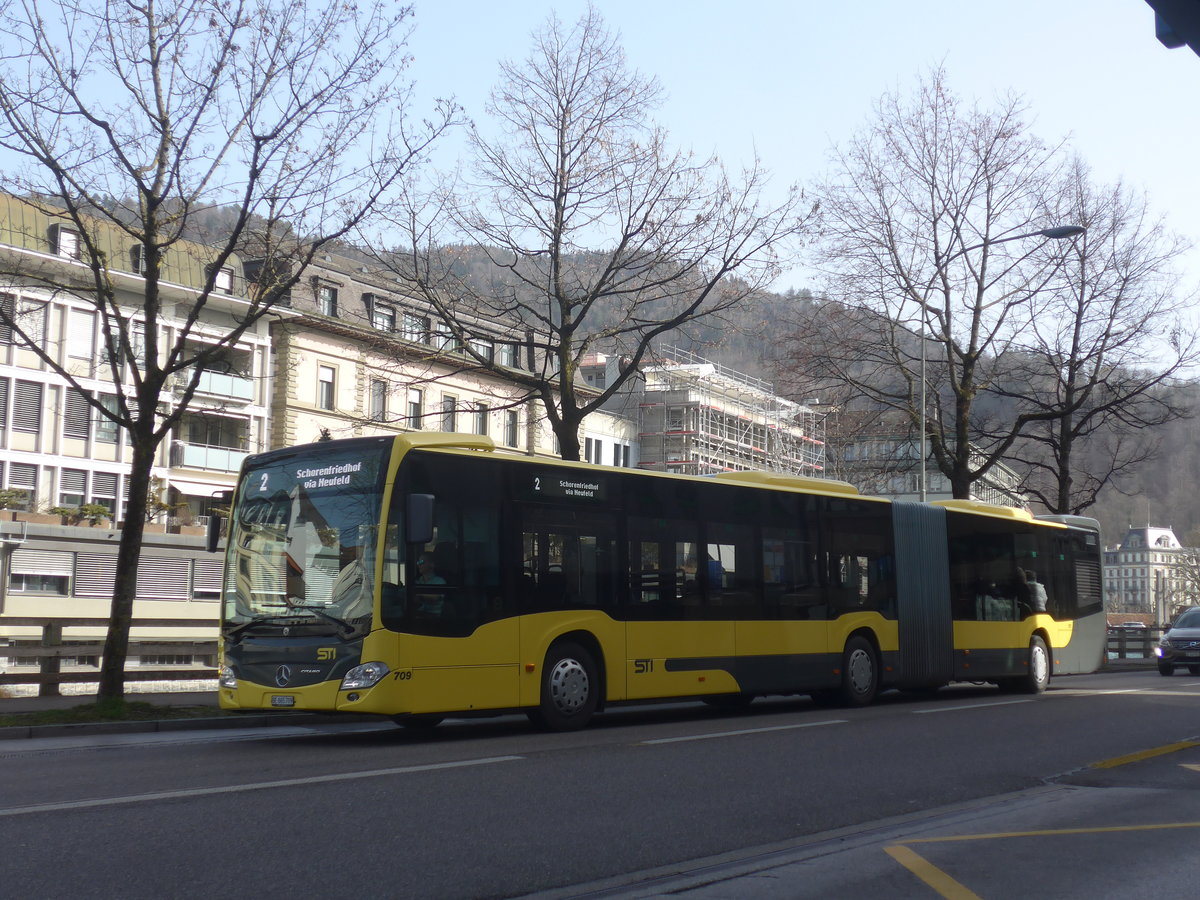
326,652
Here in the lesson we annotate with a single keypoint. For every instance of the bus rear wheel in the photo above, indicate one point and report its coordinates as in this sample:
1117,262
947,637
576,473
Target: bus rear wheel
860,672
570,688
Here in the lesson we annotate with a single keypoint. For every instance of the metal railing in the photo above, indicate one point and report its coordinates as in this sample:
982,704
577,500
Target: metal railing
1133,643
54,647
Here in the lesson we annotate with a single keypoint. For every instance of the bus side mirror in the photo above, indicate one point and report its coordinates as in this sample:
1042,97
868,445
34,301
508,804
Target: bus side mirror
418,521
212,536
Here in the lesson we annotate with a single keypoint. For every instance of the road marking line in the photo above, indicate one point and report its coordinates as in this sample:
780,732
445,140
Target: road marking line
1051,832
254,786
930,874
1144,754
940,709
721,734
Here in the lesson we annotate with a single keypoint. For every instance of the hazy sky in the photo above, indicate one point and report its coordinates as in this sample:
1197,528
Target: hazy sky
788,79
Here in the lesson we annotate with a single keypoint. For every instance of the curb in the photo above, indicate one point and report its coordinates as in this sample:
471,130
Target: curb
151,726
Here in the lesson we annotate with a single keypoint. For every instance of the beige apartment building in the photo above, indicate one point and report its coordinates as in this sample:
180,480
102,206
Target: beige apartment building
348,355
58,455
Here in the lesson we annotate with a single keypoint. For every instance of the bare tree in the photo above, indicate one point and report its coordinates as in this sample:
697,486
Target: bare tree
598,237
930,217
1103,344
136,117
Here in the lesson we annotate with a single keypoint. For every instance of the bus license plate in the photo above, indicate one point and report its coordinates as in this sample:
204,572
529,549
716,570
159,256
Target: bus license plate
283,701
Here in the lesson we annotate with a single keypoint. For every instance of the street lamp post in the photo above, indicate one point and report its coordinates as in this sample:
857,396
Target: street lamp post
1056,233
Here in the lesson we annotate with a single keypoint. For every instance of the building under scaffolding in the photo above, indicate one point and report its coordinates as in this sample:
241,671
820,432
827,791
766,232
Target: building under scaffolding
699,418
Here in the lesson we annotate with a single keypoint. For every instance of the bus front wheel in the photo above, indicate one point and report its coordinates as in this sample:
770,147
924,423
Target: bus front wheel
860,672
570,688
1035,680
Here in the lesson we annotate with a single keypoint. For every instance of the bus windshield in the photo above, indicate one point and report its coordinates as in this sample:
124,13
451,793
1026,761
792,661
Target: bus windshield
303,537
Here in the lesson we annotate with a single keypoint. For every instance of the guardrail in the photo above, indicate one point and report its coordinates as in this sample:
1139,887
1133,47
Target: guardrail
1133,643
51,650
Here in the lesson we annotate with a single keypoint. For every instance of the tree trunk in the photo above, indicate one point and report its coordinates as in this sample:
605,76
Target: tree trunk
116,644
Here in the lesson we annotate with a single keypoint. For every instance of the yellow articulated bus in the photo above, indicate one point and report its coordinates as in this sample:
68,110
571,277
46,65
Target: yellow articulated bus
426,575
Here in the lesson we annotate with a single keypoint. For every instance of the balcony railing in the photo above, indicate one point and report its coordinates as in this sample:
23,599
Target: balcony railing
220,384
200,456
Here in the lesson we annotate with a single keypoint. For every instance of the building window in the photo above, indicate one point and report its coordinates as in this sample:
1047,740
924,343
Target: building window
445,340
68,243
415,328
38,584
383,318
23,477
481,418
72,487
484,348
325,377
327,300
379,394
104,491
27,407
78,419
449,413
511,420
416,404
8,306
81,327
31,317
107,430
223,280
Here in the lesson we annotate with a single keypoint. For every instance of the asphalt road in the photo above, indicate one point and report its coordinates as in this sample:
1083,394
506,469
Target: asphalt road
649,799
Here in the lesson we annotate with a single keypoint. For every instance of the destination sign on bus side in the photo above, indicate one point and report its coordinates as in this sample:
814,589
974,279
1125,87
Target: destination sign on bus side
569,485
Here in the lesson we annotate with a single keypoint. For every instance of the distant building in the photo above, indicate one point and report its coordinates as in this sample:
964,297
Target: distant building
1150,572
887,463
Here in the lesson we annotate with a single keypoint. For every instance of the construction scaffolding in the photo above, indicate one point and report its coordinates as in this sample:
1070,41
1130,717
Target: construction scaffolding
698,417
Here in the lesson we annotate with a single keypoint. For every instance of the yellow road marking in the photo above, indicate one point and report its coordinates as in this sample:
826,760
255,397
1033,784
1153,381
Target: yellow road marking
930,874
1144,754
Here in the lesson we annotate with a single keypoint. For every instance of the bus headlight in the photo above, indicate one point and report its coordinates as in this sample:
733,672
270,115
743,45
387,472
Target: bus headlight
226,677
364,676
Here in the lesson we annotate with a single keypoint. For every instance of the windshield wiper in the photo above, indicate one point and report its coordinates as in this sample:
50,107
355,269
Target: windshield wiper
296,609
321,614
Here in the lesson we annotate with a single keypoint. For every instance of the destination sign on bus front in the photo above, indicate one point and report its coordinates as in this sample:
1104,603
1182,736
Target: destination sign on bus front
569,485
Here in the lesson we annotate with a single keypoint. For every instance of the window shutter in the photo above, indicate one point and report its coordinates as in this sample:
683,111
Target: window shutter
7,307
163,578
42,562
27,410
77,423
22,475
80,328
95,574
72,481
207,577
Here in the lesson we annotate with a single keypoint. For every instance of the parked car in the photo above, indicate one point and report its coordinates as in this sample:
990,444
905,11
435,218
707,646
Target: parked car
1180,646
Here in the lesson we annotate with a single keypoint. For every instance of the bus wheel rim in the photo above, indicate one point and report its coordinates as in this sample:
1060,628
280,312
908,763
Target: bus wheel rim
1041,665
568,685
861,671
